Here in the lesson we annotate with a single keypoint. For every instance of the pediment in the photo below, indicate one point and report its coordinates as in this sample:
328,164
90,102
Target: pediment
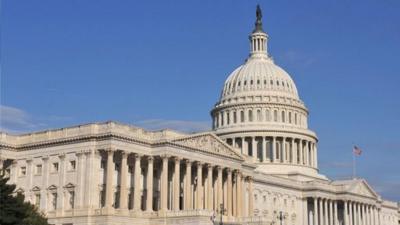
209,143
52,187
361,187
36,188
69,185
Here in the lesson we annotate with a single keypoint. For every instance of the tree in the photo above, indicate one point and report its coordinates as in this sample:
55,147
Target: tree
13,209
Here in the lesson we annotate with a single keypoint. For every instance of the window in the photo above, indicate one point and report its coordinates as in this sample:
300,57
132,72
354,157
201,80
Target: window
290,117
222,119
54,201
275,115
55,167
71,199
72,165
228,118
37,200
38,169
22,171
258,115
258,81
283,116
295,118
241,116
267,116
245,82
234,117
251,82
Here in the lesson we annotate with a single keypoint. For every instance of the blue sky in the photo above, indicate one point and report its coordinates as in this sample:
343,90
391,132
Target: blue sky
162,64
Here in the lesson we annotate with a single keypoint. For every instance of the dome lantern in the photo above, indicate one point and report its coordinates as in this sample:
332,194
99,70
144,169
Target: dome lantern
258,38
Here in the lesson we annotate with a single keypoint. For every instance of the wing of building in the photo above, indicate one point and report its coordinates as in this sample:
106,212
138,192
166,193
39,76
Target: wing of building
258,165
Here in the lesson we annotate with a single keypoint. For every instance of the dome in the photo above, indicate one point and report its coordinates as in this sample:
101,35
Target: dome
259,77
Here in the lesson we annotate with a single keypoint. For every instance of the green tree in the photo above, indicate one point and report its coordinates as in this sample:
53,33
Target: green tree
13,209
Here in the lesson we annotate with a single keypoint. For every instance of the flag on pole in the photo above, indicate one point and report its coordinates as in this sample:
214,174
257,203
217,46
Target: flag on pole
356,150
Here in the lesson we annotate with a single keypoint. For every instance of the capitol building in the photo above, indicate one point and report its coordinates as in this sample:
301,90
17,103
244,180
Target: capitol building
258,164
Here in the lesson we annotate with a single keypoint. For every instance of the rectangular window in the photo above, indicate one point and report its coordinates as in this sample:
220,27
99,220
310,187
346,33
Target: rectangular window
54,167
71,199
38,169
37,199
22,171
72,165
54,201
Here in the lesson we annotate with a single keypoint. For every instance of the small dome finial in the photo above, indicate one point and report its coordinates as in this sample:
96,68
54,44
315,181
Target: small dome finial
258,23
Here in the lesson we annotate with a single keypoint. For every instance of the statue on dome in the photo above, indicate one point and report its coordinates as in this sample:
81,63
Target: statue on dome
259,19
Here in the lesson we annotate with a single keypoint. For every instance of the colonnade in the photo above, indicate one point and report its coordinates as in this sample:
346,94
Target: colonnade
277,149
174,183
336,212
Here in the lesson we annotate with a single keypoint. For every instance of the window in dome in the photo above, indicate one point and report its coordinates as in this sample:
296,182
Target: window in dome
250,116
251,82
245,82
222,119
258,81
267,115
265,82
295,118
290,117
234,117
258,115
272,82
241,116
276,115
228,119
277,82
283,116
239,83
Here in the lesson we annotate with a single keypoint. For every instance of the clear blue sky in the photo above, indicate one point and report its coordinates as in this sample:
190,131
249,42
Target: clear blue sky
163,63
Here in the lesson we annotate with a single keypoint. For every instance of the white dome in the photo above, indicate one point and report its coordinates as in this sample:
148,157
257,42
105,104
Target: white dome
259,77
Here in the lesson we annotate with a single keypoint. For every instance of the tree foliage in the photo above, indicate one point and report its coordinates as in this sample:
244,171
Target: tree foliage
13,209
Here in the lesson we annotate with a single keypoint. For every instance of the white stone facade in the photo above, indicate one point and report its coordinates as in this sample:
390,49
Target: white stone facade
259,163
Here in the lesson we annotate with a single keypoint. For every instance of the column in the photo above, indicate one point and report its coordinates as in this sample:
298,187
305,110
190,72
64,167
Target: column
283,155
199,189
293,152
124,175
150,169
234,196
350,213
243,196
335,213
164,183
307,154
229,184
264,149
209,187
234,142
244,146
251,197
301,152
176,183
315,156
188,183
359,221
364,214
305,212
321,212
330,212
315,211
254,148
43,194
80,182
326,217
346,214
91,174
239,193
109,181
138,170
273,150
219,187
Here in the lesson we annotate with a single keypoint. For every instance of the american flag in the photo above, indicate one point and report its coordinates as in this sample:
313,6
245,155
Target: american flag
357,150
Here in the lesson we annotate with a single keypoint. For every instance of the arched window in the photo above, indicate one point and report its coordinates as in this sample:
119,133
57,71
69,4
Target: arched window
222,119
228,119
267,115
242,116
276,115
250,115
234,117
259,115
290,117
295,118
283,116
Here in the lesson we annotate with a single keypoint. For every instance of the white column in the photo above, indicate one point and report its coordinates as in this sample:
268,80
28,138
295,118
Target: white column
138,187
273,150
315,155
219,187
60,192
176,183
307,154
251,197
315,211
326,216
264,149
321,212
199,192
43,194
209,192
335,213
351,210
229,194
109,179
188,183
80,175
164,183
239,194
305,212
301,152
283,148
330,212
123,186
91,186
254,148
346,213
149,198
244,146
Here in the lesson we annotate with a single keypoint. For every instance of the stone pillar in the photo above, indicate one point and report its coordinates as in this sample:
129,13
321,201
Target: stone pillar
346,214
109,177
301,152
188,183
176,183
335,213
254,148
305,212
234,142
123,203
264,149
229,194
209,192
330,212
351,213
80,175
315,155
321,212
219,187
283,155
43,194
364,209
315,211
164,183
199,192
273,150
307,154
138,171
251,197
239,194
91,184
149,197
234,195
359,221
326,216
